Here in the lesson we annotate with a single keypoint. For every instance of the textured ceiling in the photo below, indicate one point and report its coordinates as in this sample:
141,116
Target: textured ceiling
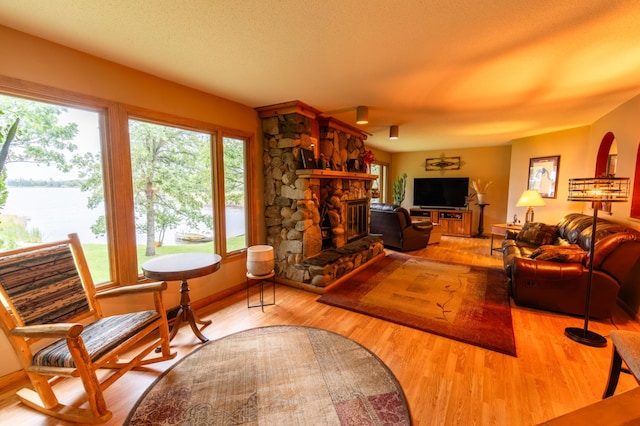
450,73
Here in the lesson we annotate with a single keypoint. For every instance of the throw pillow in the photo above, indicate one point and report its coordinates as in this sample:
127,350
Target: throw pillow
537,233
572,253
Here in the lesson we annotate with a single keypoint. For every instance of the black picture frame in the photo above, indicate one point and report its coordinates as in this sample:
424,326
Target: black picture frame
308,159
543,175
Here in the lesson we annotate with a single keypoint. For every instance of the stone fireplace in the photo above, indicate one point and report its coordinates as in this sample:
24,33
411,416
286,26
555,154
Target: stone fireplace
317,219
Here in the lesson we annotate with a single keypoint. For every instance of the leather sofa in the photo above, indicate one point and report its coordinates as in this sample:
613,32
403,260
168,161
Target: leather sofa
393,222
548,265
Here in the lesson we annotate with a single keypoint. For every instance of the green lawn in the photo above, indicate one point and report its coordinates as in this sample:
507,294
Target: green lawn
96,254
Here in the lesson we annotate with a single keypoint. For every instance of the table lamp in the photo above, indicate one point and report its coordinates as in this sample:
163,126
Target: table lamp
530,198
597,191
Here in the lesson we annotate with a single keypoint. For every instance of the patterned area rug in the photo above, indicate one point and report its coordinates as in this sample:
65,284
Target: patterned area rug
278,375
466,303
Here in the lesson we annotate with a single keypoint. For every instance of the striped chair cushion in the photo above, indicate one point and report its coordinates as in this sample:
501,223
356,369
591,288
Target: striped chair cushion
44,285
99,338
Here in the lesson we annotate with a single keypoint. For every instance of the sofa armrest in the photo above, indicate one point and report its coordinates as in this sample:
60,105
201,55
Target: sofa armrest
545,270
510,234
423,226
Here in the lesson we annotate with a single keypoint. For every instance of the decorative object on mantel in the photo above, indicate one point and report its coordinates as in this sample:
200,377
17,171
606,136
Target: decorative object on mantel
366,159
399,187
595,190
308,158
443,163
481,190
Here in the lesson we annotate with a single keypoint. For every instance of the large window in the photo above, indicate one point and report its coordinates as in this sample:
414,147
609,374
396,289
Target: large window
172,189
235,182
51,179
378,186
183,188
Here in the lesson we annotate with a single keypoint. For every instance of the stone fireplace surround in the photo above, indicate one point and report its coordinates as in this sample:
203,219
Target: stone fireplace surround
299,201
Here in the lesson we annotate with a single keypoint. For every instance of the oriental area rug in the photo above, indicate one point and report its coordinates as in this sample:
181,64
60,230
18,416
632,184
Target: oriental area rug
276,375
462,302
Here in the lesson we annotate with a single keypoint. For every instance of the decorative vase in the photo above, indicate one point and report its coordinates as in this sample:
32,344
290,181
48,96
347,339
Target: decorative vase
260,260
480,198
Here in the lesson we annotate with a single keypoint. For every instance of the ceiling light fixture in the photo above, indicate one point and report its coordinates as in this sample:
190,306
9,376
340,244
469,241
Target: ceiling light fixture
393,132
362,115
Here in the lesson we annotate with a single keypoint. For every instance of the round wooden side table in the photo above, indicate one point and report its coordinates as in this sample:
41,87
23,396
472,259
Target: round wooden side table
181,267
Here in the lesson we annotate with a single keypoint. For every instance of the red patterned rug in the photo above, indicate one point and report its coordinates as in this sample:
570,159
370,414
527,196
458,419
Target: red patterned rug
278,375
462,302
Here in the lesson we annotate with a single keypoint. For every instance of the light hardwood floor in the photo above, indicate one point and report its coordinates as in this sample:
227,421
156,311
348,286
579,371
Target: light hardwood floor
445,382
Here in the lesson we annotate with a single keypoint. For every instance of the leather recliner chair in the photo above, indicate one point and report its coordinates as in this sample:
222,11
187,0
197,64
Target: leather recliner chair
393,222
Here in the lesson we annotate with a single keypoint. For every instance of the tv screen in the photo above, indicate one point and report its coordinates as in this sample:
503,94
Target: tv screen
440,192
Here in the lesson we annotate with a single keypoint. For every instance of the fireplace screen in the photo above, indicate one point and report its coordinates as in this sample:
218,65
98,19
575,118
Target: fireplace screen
357,219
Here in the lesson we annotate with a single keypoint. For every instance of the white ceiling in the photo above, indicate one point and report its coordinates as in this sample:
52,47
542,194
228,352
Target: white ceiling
450,73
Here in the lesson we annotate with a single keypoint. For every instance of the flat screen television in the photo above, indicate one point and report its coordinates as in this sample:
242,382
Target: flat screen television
440,192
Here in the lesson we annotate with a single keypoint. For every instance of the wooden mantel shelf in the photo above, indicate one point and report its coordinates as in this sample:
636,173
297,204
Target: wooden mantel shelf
333,174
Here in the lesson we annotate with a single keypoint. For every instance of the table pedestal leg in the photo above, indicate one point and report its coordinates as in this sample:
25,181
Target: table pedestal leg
185,314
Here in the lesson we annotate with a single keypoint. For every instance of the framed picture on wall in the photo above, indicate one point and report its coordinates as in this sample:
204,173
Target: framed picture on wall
543,175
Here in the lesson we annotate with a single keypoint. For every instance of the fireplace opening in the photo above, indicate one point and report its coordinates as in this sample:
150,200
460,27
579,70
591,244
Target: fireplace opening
357,220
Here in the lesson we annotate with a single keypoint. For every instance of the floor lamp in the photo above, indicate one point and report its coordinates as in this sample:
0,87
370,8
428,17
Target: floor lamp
597,191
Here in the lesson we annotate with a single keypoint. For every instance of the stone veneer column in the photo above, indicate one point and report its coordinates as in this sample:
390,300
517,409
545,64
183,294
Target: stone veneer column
292,203
291,212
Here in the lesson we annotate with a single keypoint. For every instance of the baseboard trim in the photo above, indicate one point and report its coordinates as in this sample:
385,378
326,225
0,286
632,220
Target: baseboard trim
10,383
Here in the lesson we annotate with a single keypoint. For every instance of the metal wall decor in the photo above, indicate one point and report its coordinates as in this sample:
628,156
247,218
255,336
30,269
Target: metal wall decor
443,163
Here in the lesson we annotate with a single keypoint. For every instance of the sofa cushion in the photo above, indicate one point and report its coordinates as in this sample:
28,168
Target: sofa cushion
572,253
537,233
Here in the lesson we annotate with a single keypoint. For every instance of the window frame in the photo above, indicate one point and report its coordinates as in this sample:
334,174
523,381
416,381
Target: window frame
116,164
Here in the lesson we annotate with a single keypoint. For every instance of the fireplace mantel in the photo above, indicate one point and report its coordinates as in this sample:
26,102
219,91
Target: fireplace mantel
333,174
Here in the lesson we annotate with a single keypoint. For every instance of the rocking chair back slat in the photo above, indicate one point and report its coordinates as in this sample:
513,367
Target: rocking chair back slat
44,286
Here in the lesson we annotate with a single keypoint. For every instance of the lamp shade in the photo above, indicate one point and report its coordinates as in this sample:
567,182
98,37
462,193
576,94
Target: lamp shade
362,115
606,189
530,198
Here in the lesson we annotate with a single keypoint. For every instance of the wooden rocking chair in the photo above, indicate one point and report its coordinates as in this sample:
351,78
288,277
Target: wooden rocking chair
47,293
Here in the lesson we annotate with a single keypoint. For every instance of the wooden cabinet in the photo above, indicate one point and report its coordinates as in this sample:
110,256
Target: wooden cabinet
452,222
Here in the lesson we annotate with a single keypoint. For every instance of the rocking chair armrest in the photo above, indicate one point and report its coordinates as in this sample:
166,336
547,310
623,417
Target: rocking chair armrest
62,330
133,289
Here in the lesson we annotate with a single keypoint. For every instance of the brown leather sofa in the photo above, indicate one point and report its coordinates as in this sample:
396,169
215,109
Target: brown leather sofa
394,224
548,265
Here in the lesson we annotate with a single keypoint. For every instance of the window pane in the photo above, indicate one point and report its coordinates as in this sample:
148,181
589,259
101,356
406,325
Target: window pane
375,185
234,193
53,177
171,170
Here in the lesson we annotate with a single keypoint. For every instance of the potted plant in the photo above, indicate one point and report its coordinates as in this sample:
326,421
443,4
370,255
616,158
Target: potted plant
399,187
481,189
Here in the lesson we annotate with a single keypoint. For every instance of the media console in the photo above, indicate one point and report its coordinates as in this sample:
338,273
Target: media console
452,221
